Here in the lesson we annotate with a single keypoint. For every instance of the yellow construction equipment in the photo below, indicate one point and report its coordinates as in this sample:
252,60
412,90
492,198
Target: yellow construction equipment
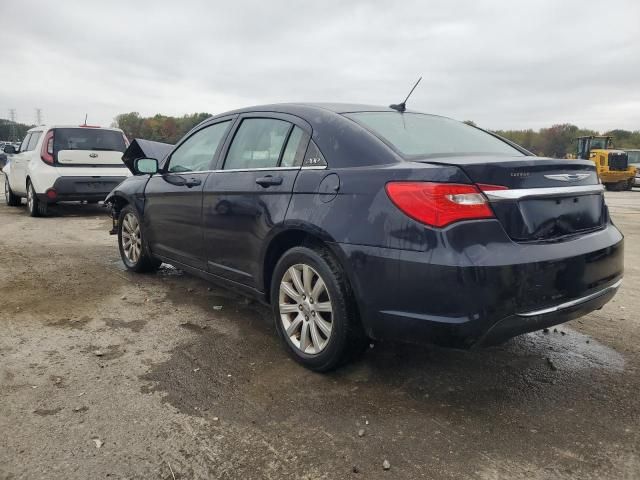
612,165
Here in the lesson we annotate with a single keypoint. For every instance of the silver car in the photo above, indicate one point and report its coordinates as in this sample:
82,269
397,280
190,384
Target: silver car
634,159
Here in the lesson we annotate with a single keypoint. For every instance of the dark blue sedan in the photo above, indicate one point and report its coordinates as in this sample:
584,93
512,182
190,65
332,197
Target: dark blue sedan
358,222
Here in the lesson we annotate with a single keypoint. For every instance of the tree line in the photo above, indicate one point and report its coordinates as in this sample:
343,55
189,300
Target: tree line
555,141
559,140
12,131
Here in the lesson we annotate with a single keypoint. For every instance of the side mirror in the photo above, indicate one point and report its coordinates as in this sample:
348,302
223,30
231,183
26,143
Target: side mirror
146,166
10,149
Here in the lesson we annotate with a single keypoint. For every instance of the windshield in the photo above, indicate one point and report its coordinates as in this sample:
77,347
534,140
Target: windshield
88,139
600,143
414,134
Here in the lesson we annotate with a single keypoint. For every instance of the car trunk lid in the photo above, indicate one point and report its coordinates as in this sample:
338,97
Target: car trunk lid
544,199
89,157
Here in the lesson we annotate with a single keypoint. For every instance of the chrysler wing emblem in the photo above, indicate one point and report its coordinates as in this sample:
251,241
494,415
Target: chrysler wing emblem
568,177
93,155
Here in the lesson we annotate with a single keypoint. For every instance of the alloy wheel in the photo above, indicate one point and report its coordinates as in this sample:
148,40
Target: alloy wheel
131,238
305,309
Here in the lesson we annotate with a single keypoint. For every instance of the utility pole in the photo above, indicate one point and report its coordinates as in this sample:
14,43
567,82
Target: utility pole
38,116
12,127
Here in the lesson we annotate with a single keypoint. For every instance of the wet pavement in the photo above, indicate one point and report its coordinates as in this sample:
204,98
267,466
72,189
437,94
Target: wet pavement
175,378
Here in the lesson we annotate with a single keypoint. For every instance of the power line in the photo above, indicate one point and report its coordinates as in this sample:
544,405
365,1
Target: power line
13,134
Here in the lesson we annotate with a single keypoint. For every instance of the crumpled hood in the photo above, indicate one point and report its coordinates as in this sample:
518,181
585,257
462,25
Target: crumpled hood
140,148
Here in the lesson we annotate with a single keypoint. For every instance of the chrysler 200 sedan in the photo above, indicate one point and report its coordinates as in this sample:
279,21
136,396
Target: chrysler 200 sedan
358,223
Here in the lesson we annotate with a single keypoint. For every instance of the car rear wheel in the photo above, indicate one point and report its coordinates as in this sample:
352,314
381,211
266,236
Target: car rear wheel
314,309
10,198
133,250
35,206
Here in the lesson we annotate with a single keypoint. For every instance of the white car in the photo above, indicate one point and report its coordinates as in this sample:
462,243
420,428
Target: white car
64,163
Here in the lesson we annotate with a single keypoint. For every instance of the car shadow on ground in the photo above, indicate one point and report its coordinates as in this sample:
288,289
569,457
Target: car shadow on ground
235,363
69,209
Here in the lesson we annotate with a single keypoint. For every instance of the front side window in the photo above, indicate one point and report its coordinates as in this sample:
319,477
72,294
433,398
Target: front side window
258,143
33,141
25,142
419,135
197,152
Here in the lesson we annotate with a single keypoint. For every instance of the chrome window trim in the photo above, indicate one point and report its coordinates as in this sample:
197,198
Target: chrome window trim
572,303
261,169
517,194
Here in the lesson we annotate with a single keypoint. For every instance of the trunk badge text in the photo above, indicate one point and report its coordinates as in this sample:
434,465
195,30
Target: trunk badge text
93,155
568,177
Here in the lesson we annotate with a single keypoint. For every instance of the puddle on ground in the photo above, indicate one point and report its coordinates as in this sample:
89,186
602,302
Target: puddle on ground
574,350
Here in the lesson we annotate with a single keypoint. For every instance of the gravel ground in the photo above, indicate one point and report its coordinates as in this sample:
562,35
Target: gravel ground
109,374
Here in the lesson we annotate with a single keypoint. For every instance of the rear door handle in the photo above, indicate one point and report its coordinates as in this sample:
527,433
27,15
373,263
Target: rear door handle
192,182
269,181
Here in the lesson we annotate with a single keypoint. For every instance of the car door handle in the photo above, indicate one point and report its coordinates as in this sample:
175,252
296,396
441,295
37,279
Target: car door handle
192,182
268,181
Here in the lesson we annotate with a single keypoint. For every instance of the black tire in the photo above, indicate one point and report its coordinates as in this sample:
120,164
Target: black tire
10,198
630,184
144,262
347,338
35,206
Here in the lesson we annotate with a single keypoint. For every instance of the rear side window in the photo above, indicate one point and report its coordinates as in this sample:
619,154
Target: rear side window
258,143
419,135
197,152
33,141
292,151
88,139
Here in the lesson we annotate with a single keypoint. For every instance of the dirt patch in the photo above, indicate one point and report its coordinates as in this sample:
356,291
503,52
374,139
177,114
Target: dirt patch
133,325
45,412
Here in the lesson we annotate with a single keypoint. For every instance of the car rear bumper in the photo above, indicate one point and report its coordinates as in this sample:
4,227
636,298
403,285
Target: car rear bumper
482,294
70,188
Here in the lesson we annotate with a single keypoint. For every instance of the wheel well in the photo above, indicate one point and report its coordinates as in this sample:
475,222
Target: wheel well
117,204
280,244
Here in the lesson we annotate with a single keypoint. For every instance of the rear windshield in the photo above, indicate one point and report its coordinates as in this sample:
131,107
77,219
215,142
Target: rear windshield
419,135
88,139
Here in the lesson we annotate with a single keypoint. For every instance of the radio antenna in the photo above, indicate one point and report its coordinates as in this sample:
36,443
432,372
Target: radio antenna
402,107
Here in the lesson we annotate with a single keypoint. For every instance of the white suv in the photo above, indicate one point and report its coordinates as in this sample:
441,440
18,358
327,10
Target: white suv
64,163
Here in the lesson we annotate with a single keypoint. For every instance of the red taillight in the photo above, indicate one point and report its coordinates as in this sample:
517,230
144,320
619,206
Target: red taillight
46,152
440,204
51,194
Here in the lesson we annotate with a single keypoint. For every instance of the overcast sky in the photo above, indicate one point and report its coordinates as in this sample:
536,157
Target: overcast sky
503,64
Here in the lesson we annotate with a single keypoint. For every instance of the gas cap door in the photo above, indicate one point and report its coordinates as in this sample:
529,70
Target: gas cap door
329,187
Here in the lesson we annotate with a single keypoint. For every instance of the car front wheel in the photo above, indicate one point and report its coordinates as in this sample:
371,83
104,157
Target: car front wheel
10,198
133,251
314,309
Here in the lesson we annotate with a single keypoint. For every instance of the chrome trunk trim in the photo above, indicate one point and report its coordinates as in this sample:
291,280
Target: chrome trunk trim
517,194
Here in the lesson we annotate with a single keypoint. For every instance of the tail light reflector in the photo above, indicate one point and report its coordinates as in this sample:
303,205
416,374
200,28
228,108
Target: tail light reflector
440,204
46,152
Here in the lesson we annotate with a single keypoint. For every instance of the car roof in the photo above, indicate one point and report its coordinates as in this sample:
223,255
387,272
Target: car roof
311,107
89,127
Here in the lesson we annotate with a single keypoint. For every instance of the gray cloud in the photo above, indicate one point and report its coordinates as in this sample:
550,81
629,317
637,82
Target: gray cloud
503,64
